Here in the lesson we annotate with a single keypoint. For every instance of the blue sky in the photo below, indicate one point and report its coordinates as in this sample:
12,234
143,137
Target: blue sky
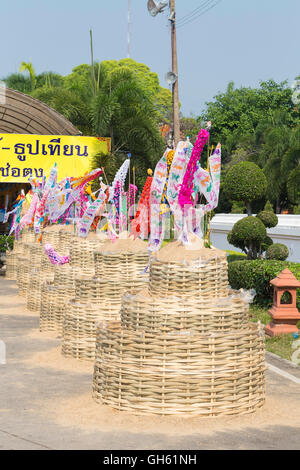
241,40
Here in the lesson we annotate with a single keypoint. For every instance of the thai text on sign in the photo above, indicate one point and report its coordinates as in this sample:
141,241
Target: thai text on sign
24,155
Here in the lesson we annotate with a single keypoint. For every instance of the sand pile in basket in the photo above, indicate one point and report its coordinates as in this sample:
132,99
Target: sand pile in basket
177,252
53,228
125,244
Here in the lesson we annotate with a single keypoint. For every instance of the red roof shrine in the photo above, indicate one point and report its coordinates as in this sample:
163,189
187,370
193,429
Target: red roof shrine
285,279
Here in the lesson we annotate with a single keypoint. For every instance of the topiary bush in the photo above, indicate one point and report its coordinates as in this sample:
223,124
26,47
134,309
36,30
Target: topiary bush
277,251
6,242
257,275
269,219
268,207
266,243
245,182
248,234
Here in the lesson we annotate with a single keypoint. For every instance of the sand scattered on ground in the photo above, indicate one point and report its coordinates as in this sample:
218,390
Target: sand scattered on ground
90,416
54,359
35,333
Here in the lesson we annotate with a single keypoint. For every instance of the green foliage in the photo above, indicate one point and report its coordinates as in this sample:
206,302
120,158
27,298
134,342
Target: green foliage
257,275
269,219
19,82
238,208
234,256
68,103
277,251
6,242
293,185
245,182
281,344
268,207
297,210
266,243
189,127
28,67
248,234
236,113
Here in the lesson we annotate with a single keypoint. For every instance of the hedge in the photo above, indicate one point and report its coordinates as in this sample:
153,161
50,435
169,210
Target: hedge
257,275
5,242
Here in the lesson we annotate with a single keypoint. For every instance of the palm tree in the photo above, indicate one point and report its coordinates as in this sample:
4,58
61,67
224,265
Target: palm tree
28,67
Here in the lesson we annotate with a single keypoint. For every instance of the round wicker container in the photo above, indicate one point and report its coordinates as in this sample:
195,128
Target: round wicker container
46,266
11,265
53,307
96,290
120,265
183,373
207,279
80,328
51,235
82,252
23,271
66,275
163,315
34,293
65,241
28,235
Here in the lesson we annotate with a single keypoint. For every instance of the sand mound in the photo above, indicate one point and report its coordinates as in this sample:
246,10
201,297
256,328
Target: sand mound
176,252
125,244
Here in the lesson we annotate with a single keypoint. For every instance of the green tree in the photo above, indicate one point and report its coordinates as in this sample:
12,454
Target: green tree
245,182
19,82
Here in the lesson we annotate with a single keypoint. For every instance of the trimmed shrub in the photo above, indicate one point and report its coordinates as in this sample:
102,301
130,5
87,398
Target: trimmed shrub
268,207
266,243
269,219
245,182
277,251
257,275
248,235
6,242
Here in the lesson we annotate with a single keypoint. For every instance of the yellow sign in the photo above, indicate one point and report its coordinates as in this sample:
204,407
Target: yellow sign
24,155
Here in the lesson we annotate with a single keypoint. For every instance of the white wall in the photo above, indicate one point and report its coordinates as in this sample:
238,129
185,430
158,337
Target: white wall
287,232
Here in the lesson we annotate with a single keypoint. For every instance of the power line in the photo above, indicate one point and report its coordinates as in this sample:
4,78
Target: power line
194,12
198,16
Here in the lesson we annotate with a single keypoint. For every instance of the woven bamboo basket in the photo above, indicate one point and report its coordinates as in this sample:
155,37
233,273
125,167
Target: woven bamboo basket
82,251
53,303
80,328
97,291
183,373
65,241
34,293
51,235
46,266
66,275
120,265
23,276
163,315
198,280
28,235
11,265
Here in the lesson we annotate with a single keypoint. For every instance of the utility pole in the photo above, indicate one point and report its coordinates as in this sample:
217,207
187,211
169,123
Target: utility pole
175,91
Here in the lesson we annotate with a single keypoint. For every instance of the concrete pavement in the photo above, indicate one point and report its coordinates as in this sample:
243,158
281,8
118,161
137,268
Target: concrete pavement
34,395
